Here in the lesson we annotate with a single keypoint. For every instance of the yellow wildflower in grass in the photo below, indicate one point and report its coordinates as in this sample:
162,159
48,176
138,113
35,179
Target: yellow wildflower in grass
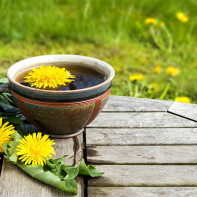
182,17
172,71
154,87
35,149
162,24
136,77
157,69
49,77
5,133
151,21
182,99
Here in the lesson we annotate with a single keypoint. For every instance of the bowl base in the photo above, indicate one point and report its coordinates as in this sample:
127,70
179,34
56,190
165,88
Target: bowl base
66,136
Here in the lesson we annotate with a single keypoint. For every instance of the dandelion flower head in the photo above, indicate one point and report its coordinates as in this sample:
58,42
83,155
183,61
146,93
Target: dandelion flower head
182,99
35,149
162,24
151,21
154,87
172,71
5,133
157,69
136,77
182,17
49,77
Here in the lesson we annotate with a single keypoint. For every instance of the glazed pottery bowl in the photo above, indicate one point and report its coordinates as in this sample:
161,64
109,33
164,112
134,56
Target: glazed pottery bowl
60,114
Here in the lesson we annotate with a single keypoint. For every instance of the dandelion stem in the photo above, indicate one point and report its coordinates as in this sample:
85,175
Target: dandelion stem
165,91
135,90
170,41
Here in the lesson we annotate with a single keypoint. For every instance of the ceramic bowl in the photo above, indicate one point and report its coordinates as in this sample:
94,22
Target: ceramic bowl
60,114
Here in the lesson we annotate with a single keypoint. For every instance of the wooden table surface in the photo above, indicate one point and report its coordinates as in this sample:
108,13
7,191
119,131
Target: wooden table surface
145,147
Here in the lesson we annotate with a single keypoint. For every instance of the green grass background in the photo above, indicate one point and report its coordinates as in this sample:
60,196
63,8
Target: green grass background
111,30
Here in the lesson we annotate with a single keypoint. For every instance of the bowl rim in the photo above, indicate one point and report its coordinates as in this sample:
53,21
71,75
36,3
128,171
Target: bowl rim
80,57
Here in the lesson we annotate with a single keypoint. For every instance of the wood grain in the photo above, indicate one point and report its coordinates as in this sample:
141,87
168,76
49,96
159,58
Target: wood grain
142,154
14,182
140,120
184,109
148,136
132,104
146,175
142,191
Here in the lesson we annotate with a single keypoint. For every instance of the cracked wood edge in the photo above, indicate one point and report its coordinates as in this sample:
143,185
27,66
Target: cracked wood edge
142,154
142,191
132,104
140,120
15,181
185,110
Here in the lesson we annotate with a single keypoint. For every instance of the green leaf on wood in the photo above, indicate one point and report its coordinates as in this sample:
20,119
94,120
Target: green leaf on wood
72,171
13,120
4,80
71,185
5,105
89,170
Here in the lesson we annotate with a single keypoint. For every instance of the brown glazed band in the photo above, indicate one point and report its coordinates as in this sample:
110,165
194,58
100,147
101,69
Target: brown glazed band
96,100
58,104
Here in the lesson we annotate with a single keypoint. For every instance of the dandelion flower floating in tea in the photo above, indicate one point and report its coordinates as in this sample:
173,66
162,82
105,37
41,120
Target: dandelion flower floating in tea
5,133
35,149
49,77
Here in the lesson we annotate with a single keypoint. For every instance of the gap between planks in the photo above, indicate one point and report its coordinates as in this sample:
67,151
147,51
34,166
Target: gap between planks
182,116
85,179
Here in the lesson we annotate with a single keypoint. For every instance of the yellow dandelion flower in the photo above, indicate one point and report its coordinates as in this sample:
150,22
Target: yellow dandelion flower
151,21
5,132
182,99
182,17
157,69
162,24
154,87
136,77
49,77
35,149
172,71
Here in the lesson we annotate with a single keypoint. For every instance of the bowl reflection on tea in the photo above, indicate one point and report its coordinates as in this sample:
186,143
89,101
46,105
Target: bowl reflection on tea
64,112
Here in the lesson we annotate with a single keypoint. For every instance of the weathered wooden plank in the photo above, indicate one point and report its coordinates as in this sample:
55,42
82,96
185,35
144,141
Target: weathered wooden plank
1,162
146,175
142,154
149,136
132,104
14,182
142,191
184,109
140,120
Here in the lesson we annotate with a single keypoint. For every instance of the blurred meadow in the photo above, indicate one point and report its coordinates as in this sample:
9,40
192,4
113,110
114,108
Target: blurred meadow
152,44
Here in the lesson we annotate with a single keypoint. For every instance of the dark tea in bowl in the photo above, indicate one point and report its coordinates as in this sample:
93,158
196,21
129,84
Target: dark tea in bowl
83,78
60,108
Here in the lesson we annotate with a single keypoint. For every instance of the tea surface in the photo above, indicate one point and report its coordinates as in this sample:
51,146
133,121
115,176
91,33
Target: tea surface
84,78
